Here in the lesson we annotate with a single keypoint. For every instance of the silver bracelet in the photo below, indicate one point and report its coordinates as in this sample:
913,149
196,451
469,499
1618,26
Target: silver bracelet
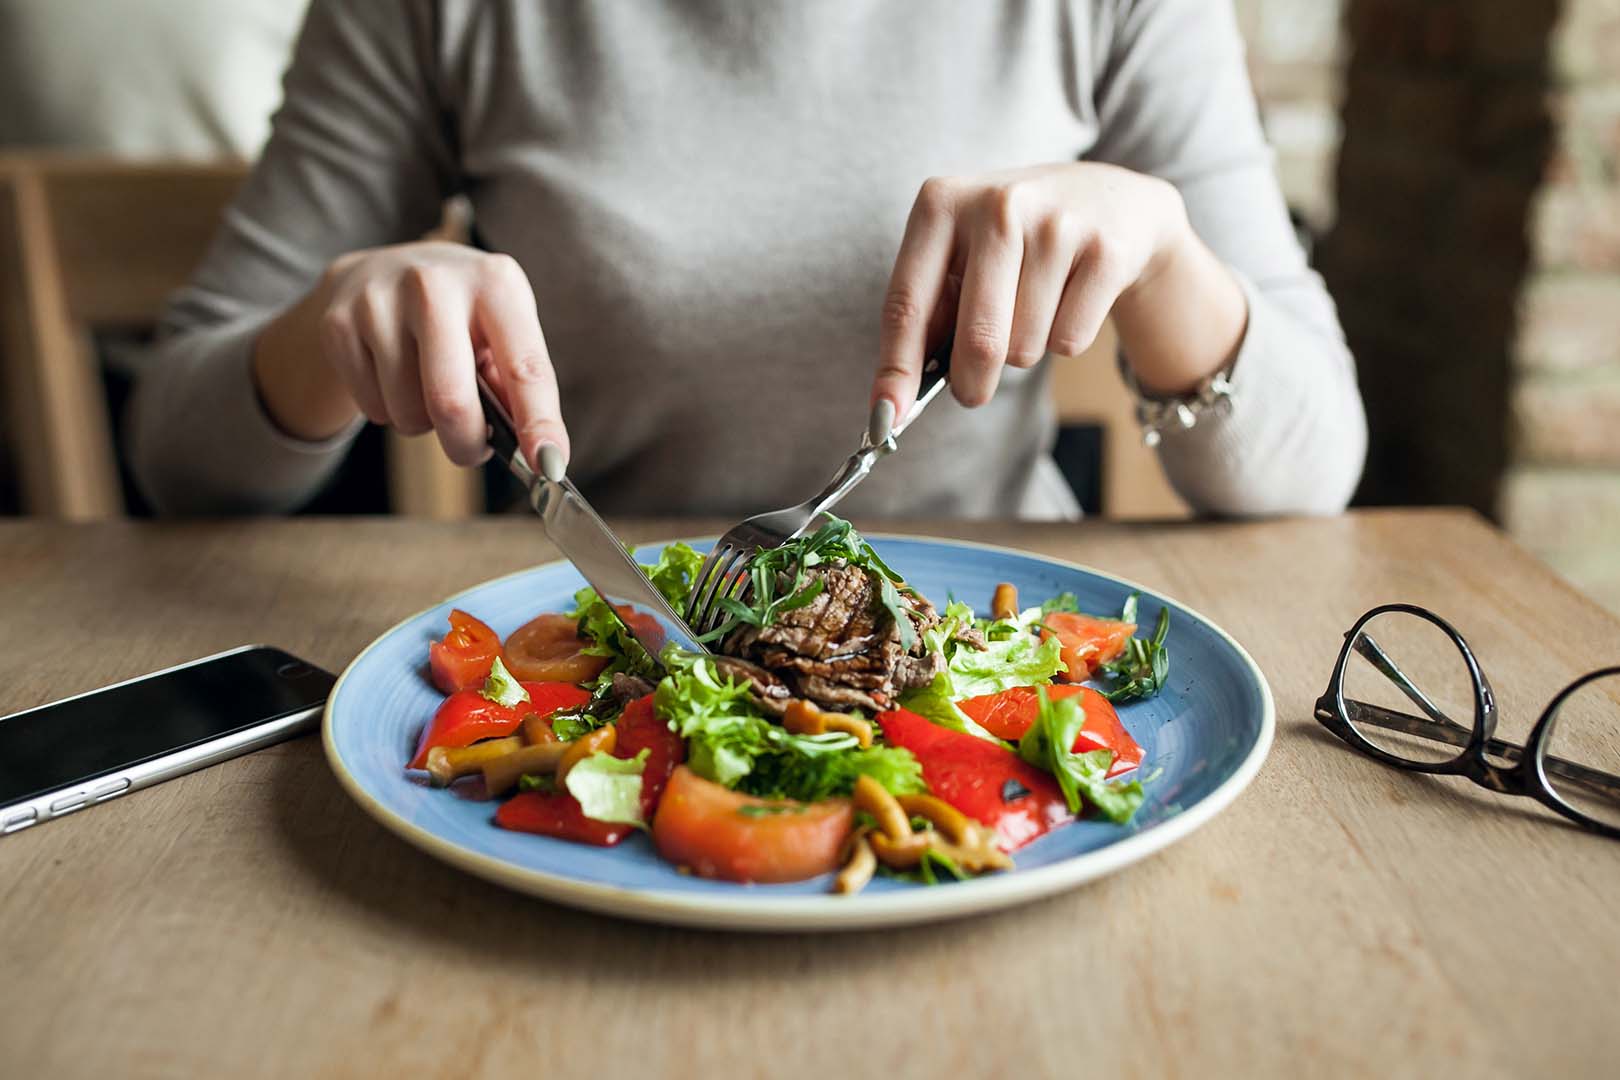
1155,415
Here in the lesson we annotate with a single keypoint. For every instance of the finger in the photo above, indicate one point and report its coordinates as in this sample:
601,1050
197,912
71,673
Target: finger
440,319
1045,271
348,356
914,292
1088,297
984,318
505,313
393,355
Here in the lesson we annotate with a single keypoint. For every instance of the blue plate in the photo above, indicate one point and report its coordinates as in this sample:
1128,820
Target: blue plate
1204,738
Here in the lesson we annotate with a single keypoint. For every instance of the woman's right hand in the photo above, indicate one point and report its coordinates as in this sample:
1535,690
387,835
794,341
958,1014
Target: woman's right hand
398,333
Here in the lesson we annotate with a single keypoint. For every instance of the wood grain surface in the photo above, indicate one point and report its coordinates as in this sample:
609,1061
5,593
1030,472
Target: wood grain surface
1340,918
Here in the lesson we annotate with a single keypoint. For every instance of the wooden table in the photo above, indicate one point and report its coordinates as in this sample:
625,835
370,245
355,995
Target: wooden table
1341,918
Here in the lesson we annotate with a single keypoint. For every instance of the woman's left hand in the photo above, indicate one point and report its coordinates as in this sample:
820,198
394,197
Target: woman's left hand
1032,261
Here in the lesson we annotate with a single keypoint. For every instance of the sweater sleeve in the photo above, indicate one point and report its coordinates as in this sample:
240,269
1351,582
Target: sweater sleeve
358,156
1175,101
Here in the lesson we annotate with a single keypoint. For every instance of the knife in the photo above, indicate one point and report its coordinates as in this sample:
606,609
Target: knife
584,538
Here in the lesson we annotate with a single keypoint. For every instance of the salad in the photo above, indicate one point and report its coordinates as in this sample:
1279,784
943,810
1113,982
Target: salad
843,724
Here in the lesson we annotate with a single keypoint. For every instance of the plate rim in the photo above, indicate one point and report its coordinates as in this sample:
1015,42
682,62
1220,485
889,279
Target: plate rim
798,913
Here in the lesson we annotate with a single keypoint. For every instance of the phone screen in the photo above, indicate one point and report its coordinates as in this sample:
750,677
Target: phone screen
106,730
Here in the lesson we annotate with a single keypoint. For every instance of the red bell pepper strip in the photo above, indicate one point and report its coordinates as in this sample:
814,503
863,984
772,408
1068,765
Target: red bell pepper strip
467,716
1009,714
639,728
557,814
984,780
463,659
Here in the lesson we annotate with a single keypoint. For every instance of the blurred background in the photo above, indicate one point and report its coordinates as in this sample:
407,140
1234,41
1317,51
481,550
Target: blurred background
1453,165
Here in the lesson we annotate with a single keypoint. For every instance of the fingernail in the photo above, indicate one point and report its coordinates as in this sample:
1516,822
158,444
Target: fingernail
552,465
882,422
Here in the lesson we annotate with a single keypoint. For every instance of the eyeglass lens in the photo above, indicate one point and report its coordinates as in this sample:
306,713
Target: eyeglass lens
1584,742
1408,690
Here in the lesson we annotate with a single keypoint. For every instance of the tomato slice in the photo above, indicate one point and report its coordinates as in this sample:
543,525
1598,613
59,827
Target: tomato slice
548,648
557,814
462,660
717,833
467,716
984,780
1088,643
640,729
1009,714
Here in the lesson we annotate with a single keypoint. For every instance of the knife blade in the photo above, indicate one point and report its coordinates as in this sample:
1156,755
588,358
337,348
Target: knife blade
585,539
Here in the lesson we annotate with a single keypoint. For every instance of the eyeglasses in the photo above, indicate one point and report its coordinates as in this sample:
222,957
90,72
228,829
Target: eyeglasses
1399,657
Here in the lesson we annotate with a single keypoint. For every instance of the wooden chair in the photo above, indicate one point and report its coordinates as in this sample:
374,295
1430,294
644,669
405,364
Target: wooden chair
89,244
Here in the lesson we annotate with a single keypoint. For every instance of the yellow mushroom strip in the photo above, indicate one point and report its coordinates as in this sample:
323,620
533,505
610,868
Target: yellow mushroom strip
600,741
945,817
447,763
874,799
501,774
803,718
966,842
1004,604
903,854
859,866
975,858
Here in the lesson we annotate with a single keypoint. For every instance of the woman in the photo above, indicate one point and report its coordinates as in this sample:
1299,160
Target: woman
706,263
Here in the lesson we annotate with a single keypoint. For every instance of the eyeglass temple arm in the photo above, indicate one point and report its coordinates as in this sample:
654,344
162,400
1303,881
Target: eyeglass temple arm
1363,713
1379,659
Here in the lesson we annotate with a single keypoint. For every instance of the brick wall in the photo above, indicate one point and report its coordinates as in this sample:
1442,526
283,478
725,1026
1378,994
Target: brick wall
1561,491
1296,58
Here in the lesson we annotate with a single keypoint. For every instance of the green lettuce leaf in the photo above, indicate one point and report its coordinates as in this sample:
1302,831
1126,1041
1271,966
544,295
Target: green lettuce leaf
672,575
937,702
609,788
1015,656
1048,745
731,743
501,688
1023,660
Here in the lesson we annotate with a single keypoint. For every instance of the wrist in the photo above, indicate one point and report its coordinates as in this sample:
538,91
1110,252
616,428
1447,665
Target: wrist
299,390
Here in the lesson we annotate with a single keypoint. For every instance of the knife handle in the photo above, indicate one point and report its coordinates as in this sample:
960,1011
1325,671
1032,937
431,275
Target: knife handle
935,377
503,438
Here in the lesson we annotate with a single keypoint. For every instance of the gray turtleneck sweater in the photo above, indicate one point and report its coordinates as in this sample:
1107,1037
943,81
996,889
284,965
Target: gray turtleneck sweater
707,196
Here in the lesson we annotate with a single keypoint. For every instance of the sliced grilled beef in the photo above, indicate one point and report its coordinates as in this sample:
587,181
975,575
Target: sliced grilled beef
842,649
768,692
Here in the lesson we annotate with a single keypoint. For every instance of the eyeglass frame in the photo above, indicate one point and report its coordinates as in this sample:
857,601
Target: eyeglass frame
1527,776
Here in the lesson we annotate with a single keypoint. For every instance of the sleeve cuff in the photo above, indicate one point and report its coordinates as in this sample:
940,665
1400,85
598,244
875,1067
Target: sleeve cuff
201,441
1284,444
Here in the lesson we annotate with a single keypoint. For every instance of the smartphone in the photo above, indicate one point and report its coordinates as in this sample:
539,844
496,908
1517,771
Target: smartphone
73,753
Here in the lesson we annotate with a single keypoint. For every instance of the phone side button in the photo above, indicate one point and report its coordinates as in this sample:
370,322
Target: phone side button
108,790
71,803
18,821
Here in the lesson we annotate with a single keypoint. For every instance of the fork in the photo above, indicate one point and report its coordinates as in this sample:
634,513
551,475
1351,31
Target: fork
721,575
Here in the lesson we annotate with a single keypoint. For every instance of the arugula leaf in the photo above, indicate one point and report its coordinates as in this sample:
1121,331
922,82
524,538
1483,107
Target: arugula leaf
544,784
501,688
603,708
729,742
780,581
1141,670
1048,745
609,788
